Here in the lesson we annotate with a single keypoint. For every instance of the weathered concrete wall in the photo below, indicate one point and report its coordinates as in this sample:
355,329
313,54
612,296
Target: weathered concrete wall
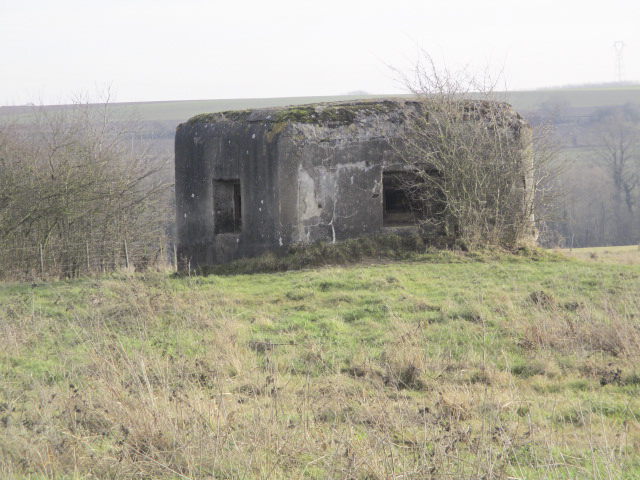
305,175
225,151
338,178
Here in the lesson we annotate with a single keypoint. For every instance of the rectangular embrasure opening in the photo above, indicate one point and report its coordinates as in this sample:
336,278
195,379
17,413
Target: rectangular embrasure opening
227,206
396,204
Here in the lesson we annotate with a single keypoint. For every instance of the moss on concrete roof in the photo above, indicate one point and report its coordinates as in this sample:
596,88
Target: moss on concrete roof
330,114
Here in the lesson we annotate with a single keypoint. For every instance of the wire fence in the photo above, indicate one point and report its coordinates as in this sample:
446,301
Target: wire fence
58,259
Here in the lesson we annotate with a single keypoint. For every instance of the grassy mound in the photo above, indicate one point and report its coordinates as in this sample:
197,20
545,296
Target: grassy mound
377,249
299,256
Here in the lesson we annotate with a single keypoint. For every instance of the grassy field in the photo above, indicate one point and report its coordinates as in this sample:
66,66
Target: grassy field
576,97
521,100
181,110
626,255
446,366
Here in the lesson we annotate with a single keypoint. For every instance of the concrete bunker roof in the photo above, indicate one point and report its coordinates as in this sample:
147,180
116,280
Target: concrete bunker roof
335,114
327,114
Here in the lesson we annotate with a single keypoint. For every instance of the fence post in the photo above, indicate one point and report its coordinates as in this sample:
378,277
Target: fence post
41,263
126,254
175,257
87,252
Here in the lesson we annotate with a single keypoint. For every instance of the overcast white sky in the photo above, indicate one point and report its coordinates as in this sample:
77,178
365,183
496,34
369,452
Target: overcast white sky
150,50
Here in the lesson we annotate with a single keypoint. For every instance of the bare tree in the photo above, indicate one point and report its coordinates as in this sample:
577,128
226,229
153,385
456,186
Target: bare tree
617,135
473,160
77,185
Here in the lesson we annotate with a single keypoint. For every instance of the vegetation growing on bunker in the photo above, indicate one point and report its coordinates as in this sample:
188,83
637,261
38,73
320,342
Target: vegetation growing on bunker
327,115
275,129
235,115
331,115
300,115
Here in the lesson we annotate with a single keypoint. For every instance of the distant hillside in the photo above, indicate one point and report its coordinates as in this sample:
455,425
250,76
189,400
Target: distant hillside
573,102
170,113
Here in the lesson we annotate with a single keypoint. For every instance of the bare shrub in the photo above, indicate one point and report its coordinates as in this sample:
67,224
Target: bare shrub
479,171
79,193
